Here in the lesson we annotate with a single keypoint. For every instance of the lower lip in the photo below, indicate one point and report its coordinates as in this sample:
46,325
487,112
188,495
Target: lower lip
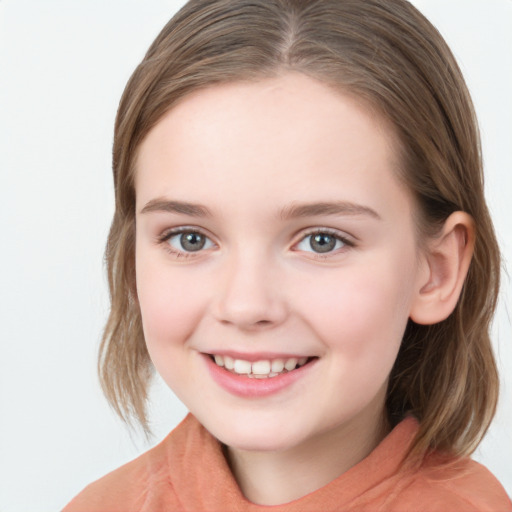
247,387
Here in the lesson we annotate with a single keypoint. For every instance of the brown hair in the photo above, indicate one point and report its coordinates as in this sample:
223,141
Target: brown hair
386,53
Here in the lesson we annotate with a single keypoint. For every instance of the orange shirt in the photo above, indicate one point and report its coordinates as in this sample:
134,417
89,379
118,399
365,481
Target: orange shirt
188,472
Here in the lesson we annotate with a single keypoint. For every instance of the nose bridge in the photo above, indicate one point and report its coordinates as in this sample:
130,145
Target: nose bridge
248,295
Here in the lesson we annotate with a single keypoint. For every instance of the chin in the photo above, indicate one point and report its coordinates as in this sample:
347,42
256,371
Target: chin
254,436
258,443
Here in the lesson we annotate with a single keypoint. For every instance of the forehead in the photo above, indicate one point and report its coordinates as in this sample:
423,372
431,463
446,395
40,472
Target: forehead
284,137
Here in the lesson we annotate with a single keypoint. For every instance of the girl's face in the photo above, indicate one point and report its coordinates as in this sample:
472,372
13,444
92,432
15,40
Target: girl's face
271,231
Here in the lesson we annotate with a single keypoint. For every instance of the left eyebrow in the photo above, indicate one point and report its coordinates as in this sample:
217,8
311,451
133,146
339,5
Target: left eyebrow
326,208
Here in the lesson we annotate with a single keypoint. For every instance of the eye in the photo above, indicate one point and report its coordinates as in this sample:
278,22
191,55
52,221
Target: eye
187,241
322,242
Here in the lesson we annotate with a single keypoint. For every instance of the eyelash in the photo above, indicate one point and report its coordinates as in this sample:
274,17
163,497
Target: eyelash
165,237
347,243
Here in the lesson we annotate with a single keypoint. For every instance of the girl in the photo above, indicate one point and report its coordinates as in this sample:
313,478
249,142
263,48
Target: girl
302,249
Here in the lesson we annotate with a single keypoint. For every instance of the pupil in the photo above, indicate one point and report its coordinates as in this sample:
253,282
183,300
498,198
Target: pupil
322,242
192,241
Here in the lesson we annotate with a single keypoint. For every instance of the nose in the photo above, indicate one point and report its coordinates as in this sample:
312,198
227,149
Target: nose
250,294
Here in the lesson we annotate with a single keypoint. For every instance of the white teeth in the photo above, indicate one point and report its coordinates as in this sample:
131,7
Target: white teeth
277,365
241,366
229,362
291,363
261,367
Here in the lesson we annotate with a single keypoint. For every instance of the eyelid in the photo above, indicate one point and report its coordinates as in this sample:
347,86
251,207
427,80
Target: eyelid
346,239
167,234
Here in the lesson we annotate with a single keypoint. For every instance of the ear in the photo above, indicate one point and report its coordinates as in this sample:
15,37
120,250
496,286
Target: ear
447,260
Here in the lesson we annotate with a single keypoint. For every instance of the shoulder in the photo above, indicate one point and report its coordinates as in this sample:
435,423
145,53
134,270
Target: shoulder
461,485
120,490
395,482
132,486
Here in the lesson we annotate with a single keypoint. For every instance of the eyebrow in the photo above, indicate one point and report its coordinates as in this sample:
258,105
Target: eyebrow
327,208
295,210
163,205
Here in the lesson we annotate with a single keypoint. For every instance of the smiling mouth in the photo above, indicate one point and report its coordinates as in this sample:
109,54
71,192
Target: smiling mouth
263,369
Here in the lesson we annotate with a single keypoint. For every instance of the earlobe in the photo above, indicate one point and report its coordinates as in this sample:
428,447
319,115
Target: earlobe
447,258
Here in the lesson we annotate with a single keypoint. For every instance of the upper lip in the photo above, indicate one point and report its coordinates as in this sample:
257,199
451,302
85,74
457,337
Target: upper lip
256,356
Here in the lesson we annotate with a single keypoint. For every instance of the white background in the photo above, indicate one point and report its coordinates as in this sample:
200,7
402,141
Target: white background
63,66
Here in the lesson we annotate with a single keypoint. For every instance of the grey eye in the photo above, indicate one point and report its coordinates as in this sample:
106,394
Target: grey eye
189,241
322,242
192,241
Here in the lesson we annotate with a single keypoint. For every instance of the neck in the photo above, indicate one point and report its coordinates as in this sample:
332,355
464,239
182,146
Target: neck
274,478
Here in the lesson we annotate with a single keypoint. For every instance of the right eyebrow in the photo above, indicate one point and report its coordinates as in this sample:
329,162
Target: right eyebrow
181,207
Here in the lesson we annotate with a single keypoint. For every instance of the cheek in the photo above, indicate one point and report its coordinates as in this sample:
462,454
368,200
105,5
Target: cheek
362,311
170,305
360,319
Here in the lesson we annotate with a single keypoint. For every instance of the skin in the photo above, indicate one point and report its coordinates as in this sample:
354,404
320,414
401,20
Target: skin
247,152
